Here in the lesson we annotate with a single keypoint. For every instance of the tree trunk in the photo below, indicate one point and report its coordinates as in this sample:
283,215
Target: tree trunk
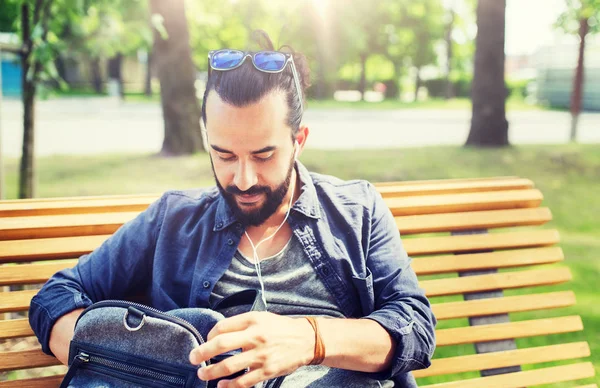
449,87
115,72
96,75
397,77
489,127
26,172
177,75
577,95
148,81
362,84
417,84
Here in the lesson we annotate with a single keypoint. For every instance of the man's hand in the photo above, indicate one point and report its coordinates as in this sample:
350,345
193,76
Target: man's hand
61,335
272,346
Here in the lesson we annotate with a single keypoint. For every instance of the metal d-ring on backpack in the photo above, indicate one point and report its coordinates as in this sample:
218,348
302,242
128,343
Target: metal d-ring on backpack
125,344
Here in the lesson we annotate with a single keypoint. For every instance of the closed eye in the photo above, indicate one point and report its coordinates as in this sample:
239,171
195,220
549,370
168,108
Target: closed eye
263,157
225,157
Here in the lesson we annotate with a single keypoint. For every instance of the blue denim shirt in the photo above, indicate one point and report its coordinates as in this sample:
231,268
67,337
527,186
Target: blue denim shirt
173,253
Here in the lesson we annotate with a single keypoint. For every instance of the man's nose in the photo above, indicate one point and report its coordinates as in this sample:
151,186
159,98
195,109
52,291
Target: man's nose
245,176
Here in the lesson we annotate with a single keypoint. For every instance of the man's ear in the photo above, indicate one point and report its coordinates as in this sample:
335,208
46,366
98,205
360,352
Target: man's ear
301,137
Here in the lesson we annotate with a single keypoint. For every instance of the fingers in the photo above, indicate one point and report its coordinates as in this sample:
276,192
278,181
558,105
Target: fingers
219,345
235,323
245,381
228,366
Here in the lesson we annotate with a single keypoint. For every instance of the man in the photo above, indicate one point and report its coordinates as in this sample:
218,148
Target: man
318,247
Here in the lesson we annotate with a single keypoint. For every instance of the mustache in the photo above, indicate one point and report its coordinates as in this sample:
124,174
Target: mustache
251,191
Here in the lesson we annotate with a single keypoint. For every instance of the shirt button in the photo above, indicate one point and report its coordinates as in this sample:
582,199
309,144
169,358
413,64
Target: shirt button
325,271
220,225
206,284
238,225
230,242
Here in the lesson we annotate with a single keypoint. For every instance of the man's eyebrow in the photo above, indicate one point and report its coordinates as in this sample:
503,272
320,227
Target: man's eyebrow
219,149
260,151
263,150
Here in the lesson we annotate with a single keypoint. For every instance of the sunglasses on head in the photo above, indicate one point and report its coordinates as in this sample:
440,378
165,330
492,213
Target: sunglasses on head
265,61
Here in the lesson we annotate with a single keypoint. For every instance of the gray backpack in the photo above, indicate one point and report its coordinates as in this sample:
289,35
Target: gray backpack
125,344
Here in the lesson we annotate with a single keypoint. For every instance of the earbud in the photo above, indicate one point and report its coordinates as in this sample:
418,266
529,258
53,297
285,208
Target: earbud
296,150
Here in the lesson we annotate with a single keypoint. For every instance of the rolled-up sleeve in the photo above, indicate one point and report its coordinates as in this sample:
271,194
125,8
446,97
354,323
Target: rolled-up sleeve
401,306
119,267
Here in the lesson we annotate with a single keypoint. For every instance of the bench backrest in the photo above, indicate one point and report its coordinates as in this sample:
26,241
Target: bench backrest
444,225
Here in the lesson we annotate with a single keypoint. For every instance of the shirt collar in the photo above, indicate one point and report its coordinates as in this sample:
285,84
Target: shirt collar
307,203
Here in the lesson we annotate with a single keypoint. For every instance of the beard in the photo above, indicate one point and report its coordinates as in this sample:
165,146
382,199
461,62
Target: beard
274,198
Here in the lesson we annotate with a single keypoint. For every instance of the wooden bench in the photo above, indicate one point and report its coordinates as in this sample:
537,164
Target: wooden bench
444,225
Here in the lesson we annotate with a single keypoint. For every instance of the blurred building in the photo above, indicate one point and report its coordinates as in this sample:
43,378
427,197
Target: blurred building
556,66
79,73
10,66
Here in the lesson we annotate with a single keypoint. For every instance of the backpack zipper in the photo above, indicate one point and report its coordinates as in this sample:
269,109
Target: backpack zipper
147,309
86,358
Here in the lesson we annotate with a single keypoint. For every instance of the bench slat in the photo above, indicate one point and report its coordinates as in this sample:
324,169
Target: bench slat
450,222
436,181
16,300
18,359
32,358
19,300
496,281
509,330
68,225
503,359
49,248
478,242
453,203
46,208
445,337
454,187
503,305
64,225
70,247
15,328
40,272
38,382
426,204
433,182
508,304
488,260
31,273
555,374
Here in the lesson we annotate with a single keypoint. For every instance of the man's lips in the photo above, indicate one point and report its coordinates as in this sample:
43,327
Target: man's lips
248,198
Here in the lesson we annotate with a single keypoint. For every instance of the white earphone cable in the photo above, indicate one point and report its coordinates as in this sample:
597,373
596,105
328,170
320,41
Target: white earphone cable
255,248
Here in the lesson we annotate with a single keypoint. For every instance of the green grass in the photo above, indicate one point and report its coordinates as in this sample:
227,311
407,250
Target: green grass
567,175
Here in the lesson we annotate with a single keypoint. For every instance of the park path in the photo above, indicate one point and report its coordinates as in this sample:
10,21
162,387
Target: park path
106,125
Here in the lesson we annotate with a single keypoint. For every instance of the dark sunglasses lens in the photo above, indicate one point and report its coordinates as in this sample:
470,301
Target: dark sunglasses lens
269,61
226,59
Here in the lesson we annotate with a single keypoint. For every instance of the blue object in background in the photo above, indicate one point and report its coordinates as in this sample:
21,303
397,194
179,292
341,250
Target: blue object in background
11,77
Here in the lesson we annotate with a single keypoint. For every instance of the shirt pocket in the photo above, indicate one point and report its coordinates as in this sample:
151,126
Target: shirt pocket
364,286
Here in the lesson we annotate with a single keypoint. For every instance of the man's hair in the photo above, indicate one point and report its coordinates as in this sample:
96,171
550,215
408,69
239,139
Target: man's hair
246,85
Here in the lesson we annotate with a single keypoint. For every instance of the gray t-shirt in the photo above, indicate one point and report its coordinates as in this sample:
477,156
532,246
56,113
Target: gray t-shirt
292,288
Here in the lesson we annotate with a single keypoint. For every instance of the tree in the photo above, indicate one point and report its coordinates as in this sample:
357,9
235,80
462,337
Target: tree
489,127
108,30
582,17
9,13
177,75
427,17
361,33
37,64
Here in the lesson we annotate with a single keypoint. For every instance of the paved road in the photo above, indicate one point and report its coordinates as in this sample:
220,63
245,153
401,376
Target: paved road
102,125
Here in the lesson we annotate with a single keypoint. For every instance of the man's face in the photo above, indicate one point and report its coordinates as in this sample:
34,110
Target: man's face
252,154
